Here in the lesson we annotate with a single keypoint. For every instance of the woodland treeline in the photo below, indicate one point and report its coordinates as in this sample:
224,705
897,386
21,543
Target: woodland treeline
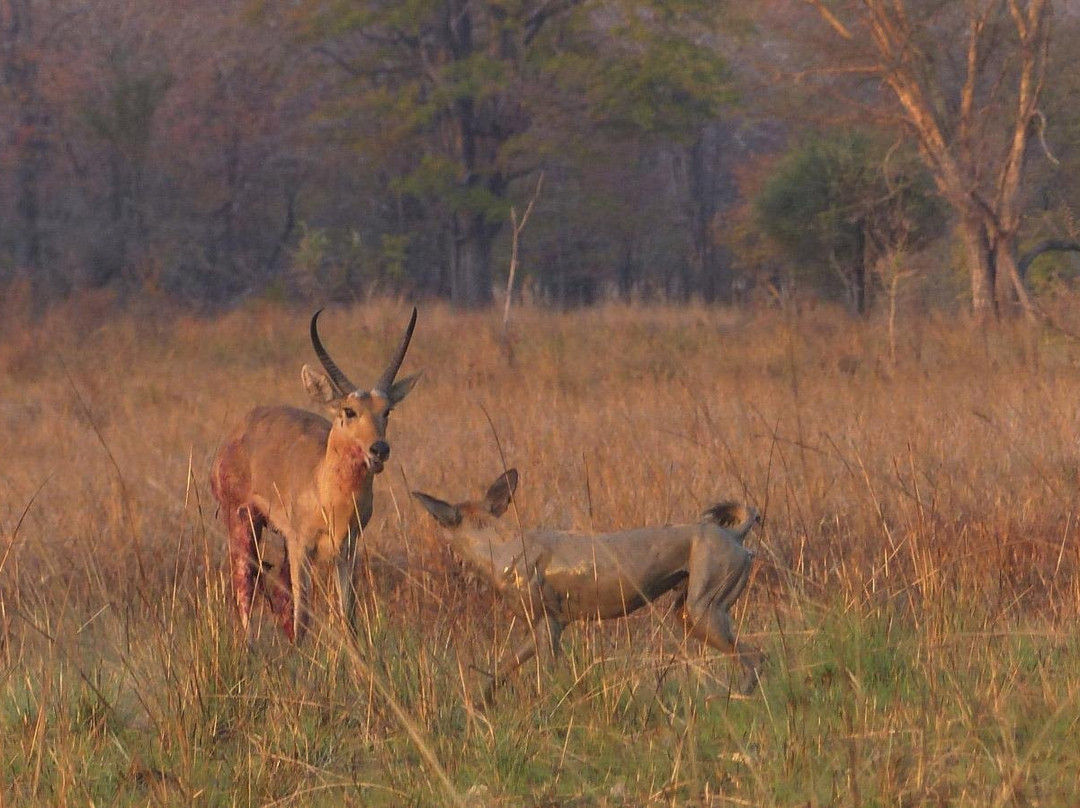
214,152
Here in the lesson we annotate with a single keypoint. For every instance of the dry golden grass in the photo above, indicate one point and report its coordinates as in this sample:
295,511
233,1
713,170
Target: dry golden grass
917,593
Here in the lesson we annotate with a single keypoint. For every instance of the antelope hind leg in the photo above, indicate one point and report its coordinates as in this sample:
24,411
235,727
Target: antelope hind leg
244,526
706,617
713,627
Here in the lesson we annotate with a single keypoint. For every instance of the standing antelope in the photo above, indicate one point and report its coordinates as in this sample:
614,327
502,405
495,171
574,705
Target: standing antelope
309,479
552,577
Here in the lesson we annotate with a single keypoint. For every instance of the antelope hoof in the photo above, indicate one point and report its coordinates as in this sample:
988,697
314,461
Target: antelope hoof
748,684
487,695
751,675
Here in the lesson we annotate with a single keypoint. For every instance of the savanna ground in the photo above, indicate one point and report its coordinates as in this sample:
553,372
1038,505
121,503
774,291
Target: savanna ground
917,590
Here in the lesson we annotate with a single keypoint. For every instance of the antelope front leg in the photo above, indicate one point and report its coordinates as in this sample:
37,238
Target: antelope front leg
278,588
346,580
545,635
300,584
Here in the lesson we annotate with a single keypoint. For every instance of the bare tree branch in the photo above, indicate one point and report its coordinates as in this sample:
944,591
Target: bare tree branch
535,21
1048,245
831,19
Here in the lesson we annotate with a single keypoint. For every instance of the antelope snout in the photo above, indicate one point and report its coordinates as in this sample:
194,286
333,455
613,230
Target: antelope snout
380,450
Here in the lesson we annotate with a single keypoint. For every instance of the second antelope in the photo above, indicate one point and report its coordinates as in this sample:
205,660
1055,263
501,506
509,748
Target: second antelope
552,577
310,479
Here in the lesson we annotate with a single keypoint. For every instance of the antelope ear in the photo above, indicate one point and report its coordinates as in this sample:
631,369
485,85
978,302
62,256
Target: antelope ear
398,390
445,514
318,385
498,496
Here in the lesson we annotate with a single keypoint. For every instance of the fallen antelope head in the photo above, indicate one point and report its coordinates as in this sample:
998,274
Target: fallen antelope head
550,578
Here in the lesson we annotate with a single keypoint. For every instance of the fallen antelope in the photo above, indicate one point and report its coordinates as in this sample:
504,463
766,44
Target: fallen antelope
310,479
550,578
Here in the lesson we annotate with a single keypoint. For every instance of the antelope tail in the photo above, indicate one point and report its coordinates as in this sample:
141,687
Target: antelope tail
734,516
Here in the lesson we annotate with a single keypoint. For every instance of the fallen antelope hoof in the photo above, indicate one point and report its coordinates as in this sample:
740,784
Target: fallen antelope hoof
744,692
487,696
738,695
481,671
748,685
731,695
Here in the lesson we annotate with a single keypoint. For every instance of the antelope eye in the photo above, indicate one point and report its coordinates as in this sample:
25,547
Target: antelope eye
349,412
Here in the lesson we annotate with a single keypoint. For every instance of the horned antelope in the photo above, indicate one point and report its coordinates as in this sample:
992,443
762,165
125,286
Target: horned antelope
310,479
550,578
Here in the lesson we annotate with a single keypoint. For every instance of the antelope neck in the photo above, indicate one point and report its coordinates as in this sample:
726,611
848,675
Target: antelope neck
348,463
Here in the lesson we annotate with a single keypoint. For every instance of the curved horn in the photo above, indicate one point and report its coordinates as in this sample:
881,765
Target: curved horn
387,379
340,380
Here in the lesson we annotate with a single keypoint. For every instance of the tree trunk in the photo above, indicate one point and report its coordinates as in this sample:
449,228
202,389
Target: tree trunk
981,265
20,78
470,279
27,206
702,206
625,271
1012,292
959,142
858,271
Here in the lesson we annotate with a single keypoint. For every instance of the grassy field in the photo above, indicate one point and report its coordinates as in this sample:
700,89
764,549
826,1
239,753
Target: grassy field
917,590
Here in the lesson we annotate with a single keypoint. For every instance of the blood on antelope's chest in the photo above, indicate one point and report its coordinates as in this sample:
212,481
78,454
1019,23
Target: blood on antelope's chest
351,471
349,496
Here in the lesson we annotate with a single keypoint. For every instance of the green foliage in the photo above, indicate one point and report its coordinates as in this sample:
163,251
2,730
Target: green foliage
858,707
436,180
456,113
312,250
124,118
805,204
834,200
1054,272
661,85
393,252
337,264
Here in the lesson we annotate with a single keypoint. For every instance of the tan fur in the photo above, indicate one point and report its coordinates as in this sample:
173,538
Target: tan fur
550,578
310,479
